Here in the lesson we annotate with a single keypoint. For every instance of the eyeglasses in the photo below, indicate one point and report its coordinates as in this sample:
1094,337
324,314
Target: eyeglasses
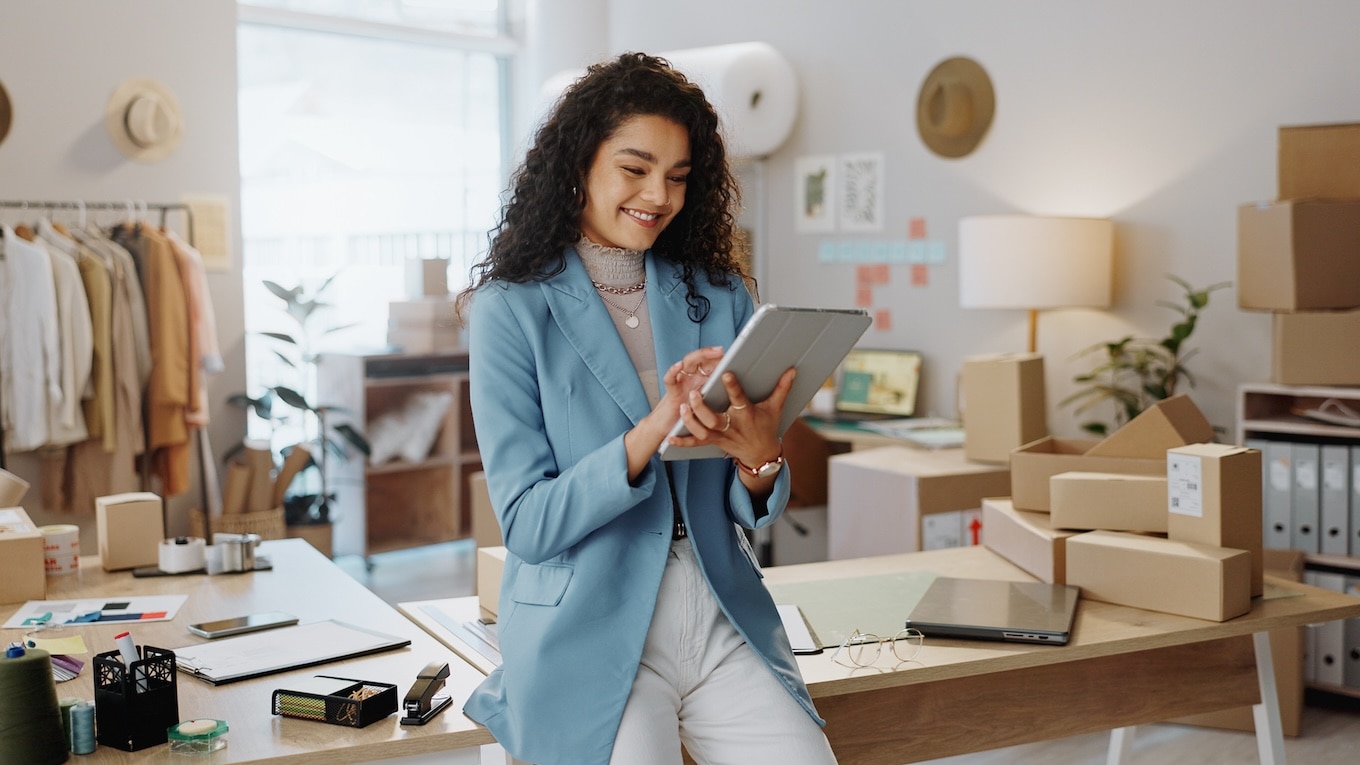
862,648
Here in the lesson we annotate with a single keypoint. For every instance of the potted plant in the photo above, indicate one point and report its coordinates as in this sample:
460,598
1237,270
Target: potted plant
1134,373
282,405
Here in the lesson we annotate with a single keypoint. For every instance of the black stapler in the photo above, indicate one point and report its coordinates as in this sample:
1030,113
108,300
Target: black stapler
422,702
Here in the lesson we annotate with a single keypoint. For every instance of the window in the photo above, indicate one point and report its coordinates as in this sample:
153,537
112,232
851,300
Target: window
372,132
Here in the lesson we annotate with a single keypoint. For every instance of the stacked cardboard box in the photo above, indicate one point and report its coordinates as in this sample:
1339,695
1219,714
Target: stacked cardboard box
1297,257
424,325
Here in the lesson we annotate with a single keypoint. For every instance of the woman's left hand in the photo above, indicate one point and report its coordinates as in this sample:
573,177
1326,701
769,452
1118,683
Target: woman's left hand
746,431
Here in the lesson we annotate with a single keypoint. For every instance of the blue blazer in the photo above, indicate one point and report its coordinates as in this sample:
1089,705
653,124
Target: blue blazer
552,392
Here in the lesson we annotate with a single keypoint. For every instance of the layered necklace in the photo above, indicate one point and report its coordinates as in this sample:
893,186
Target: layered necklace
632,320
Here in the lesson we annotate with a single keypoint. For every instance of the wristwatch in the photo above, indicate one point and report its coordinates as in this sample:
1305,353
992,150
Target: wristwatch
765,469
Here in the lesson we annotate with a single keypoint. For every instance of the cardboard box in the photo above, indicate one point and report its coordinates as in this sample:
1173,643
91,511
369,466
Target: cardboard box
1026,539
421,339
1004,405
1033,464
22,573
436,312
427,277
878,499
1200,581
1298,255
1286,651
1173,421
12,489
131,527
1214,498
1108,501
1319,161
486,530
490,570
1304,348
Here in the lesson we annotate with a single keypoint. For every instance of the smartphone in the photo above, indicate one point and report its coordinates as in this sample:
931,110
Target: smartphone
250,623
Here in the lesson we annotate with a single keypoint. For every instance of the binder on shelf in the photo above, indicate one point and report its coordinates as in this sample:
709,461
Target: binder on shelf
1334,500
1305,509
1329,637
1350,675
1354,497
1276,494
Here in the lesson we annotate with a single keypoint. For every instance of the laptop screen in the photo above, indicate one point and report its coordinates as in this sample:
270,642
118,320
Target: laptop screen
879,382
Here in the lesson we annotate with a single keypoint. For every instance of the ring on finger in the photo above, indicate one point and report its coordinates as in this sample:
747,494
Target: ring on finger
737,406
700,370
681,373
726,423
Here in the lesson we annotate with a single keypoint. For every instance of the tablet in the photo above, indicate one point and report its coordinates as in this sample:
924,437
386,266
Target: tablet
776,337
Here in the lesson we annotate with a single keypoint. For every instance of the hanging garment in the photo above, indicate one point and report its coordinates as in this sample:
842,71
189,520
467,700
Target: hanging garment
82,321
32,351
206,354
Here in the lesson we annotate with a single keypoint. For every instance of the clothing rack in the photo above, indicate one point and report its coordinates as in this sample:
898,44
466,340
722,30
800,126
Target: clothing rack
134,209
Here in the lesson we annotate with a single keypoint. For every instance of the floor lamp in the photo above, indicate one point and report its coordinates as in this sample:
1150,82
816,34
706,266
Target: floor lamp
1035,263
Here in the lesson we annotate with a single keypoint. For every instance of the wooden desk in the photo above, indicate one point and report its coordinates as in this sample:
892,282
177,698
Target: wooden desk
1123,667
310,586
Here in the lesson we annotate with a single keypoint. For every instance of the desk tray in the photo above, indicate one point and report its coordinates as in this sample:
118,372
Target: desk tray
339,708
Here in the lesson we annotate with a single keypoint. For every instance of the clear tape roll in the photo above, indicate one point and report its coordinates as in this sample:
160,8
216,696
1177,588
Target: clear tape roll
182,554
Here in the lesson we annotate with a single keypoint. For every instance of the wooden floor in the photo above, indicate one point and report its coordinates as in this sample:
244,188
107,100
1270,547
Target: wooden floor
1330,729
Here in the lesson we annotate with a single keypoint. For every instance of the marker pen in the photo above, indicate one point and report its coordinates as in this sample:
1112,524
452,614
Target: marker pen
128,651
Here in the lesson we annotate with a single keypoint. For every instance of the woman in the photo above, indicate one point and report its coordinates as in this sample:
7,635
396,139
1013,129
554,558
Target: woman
632,616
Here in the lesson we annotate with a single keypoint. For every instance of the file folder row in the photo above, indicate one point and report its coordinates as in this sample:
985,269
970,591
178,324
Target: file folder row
1310,496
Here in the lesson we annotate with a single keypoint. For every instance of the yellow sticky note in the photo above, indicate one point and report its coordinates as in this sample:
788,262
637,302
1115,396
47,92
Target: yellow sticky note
69,645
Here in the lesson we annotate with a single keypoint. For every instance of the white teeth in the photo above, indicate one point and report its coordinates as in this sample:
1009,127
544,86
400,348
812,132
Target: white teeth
642,215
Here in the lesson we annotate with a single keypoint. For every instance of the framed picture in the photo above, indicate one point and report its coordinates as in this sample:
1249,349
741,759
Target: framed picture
815,195
860,193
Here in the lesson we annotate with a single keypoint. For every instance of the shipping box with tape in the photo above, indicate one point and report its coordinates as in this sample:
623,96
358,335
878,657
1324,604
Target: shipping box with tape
1214,498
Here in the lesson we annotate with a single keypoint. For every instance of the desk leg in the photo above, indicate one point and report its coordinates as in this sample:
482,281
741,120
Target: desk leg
1269,734
1121,744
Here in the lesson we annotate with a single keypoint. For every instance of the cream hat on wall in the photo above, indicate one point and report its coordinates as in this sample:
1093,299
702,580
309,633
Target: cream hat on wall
955,107
143,120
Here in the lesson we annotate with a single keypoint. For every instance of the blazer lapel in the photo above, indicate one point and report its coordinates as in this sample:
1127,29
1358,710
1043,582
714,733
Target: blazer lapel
592,334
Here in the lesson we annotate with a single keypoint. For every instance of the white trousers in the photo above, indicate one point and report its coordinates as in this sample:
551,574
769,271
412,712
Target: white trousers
701,684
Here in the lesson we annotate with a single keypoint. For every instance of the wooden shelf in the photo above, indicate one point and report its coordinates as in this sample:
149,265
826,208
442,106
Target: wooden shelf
401,504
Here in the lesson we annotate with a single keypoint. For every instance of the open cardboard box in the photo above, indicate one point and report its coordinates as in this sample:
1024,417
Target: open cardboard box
1171,422
1033,464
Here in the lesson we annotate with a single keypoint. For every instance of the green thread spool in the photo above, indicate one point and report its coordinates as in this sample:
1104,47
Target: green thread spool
30,719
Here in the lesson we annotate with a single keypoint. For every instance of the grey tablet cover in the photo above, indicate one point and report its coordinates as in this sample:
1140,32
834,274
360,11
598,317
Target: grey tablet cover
814,340
992,609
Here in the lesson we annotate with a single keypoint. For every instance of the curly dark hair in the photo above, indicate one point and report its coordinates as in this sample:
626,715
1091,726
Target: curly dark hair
543,216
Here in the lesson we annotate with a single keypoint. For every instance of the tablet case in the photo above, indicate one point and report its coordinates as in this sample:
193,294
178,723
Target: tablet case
815,340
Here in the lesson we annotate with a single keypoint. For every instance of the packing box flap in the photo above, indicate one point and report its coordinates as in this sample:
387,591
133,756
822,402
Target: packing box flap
1169,423
1035,463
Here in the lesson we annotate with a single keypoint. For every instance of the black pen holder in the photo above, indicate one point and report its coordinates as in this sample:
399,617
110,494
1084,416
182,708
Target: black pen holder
135,705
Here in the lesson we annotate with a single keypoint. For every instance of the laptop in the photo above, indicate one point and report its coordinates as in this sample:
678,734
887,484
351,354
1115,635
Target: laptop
994,609
877,384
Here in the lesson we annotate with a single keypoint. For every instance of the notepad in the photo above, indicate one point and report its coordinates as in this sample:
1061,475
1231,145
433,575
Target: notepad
227,660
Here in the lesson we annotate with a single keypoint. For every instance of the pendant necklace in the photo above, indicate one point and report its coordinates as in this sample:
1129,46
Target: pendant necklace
632,320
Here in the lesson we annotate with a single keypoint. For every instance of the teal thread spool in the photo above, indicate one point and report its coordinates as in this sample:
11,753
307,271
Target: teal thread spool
30,719
82,728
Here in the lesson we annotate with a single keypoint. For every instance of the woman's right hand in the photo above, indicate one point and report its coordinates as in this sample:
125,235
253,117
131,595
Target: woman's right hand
686,375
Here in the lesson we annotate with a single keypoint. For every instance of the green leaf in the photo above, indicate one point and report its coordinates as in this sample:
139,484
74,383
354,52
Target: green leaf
286,295
281,336
292,398
354,437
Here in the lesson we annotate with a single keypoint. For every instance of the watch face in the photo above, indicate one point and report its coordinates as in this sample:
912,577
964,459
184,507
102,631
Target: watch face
768,469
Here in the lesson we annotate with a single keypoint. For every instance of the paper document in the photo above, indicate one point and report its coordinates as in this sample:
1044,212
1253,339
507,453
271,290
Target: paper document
800,634
279,650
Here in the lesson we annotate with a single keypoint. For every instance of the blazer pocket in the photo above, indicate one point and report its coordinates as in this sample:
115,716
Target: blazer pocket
541,584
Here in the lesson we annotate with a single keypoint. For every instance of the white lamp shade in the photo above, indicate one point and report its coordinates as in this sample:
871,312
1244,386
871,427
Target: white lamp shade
1028,262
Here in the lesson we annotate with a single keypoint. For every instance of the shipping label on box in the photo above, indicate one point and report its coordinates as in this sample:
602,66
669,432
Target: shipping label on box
1214,498
23,575
1004,404
1201,581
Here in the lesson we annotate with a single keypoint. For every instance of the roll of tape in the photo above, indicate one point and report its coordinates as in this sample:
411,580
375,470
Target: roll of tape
182,554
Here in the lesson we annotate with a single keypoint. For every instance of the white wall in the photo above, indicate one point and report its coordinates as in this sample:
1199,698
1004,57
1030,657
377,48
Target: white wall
1160,114
60,62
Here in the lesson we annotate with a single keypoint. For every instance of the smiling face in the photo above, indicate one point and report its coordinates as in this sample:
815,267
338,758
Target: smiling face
636,184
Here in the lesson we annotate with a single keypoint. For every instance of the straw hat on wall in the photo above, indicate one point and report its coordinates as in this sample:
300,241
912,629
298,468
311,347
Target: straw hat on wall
955,107
143,120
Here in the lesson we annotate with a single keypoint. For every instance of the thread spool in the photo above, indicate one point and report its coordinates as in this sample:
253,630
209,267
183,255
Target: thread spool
30,719
82,728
